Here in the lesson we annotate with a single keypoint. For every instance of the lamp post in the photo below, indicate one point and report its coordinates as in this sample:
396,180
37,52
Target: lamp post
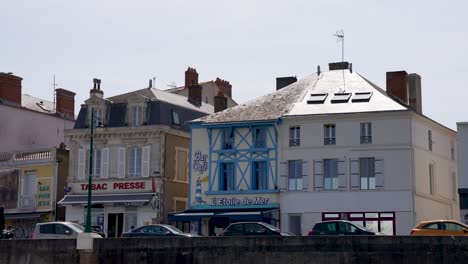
90,176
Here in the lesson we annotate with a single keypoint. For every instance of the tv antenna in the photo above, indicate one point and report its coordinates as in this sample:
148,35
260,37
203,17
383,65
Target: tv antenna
54,86
340,38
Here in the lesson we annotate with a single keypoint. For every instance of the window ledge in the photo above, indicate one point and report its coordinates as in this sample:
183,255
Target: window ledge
240,192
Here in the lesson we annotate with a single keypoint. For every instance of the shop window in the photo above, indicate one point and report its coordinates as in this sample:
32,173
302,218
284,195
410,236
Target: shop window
227,176
330,177
329,134
366,133
295,175
259,175
383,222
135,162
260,137
228,138
367,173
294,136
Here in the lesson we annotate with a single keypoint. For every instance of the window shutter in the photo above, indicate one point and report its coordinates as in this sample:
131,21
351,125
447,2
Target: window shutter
157,158
379,173
145,161
283,179
81,164
355,176
318,175
105,163
342,175
305,176
121,163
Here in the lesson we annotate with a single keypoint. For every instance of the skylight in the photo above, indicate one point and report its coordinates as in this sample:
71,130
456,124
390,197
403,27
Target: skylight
317,98
362,97
341,97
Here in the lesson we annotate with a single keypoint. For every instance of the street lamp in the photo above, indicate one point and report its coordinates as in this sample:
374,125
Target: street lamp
88,228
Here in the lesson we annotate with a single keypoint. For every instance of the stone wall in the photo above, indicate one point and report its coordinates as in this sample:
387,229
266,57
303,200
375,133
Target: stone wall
245,250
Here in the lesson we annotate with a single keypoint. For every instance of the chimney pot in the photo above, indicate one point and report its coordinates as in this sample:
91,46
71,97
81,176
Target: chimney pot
191,77
96,91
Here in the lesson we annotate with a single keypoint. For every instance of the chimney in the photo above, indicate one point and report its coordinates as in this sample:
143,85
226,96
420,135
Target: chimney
397,85
96,91
318,70
282,82
65,101
220,102
224,86
191,77
344,65
195,95
414,92
10,88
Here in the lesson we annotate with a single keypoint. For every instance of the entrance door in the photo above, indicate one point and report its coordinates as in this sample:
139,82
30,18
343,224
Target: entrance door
114,224
216,225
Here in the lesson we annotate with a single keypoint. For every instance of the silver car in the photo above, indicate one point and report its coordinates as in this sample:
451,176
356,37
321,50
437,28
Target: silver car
57,230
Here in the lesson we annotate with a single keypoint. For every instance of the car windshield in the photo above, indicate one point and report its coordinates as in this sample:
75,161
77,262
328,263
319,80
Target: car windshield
77,227
361,227
173,229
274,228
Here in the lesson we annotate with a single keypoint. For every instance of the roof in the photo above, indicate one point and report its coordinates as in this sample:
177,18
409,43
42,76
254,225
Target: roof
292,100
156,94
37,104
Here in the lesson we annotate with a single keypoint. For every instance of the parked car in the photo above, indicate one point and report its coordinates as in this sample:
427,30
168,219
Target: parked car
56,230
339,227
156,231
440,228
253,229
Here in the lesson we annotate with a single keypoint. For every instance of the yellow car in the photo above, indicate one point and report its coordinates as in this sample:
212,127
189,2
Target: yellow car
440,228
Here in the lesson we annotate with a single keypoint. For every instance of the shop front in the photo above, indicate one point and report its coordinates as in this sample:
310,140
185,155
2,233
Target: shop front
117,206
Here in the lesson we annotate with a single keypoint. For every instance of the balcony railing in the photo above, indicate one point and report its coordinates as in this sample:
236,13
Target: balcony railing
27,155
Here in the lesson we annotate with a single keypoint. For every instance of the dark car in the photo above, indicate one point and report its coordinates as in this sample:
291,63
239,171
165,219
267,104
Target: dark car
156,231
253,229
339,227
96,229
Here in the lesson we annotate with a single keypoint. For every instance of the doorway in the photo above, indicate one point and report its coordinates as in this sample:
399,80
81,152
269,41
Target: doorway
115,224
216,225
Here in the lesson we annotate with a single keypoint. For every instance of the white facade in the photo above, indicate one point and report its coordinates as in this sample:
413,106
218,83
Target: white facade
399,146
462,147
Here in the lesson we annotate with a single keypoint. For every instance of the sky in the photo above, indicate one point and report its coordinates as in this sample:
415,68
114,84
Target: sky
247,42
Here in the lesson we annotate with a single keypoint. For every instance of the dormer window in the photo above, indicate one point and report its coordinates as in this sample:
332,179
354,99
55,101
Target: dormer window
136,116
175,118
98,120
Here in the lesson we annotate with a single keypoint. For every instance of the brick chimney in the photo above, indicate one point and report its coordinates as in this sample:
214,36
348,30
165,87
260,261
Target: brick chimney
397,85
65,102
195,94
10,88
191,77
224,86
282,82
220,102
96,91
414,92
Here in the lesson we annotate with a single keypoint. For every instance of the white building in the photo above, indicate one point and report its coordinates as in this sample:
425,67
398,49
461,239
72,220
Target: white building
336,146
462,147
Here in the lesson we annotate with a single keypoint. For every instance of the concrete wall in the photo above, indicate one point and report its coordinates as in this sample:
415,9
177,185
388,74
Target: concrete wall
258,250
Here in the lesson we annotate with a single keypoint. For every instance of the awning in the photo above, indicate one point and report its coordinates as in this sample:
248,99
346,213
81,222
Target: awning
187,216
16,216
131,199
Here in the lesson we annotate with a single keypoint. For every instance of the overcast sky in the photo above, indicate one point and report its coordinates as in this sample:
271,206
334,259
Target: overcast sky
249,43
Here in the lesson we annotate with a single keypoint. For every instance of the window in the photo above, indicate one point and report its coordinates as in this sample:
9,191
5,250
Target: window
136,116
429,139
366,133
329,134
260,137
227,176
175,118
383,222
367,173
330,170
97,117
317,98
295,175
454,186
228,138
295,224
47,229
134,162
361,97
97,163
181,164
294,136
259,175
431,179
341,97
452,150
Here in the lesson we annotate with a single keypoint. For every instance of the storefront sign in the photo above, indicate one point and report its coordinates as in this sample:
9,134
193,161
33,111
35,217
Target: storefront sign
44,193
236,201
129,204
200,163
114,186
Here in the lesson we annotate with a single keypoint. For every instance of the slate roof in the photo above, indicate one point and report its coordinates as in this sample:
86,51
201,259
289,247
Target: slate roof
37,104
152,93
292,100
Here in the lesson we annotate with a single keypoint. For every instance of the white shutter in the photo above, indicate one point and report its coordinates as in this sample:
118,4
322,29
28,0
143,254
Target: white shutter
305,176
379,173
121,163
318,175
283,179
157,158
342,175
145,161
105,163
81,164
355,176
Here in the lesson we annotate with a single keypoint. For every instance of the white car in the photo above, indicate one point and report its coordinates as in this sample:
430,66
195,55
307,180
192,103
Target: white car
57,230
